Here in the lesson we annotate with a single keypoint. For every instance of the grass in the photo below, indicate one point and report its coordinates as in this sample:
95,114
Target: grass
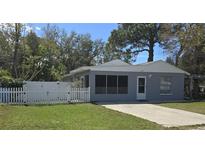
198,107
189,127
66,117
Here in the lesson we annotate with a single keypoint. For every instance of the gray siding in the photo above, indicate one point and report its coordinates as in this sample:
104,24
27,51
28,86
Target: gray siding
152,87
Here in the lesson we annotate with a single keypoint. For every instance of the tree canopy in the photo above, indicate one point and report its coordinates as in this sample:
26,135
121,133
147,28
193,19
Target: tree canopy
130,39
26,56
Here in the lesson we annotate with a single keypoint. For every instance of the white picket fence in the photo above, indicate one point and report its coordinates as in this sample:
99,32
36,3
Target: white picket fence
80,94
11,95
25,96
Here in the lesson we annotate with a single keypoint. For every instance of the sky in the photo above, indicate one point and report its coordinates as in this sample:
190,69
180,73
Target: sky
97,31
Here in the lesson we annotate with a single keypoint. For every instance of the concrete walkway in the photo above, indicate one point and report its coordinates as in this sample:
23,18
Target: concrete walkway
162,115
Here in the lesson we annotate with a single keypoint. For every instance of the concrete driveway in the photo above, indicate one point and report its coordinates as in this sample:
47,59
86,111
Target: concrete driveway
162,115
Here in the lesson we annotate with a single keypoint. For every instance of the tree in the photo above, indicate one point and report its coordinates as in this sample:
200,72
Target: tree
26,56
13,35
131,39
194,49
191,55
52,68
172,40
5,78
186,43
170,60
79,50
5,51
32,63
16,37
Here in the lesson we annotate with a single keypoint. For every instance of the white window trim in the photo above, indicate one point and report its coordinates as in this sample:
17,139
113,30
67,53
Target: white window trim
145,90
166,94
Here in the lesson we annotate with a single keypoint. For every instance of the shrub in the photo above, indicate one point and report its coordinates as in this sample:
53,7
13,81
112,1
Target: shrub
6,80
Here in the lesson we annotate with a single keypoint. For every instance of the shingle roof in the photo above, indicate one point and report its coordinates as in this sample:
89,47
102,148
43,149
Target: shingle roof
120,66
116,62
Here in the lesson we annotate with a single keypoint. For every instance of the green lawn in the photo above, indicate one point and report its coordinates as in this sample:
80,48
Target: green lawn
198,107
72,116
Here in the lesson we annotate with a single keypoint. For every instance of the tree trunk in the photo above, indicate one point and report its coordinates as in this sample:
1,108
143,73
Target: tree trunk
178,55
16,48
151,54
151,47
196,71
177,60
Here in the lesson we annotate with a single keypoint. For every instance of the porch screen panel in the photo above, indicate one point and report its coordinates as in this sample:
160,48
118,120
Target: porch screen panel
122,84
111,84
100,84
87,81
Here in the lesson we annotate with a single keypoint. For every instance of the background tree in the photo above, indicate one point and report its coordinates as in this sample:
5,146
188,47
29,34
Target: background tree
131,39
170,60
13,38
52,69
5,50
79,50
186,44
172,40
32,63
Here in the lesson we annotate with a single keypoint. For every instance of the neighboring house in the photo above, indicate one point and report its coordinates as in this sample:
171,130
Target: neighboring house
119,81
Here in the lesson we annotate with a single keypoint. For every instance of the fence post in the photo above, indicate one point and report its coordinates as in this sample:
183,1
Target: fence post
25,94
88,93
0,95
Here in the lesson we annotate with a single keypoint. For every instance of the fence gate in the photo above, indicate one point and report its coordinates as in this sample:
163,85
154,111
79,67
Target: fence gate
47,91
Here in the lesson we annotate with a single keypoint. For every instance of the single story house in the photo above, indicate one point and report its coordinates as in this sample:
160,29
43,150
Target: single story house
120,81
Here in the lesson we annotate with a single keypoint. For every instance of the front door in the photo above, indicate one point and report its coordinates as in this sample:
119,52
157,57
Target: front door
141,88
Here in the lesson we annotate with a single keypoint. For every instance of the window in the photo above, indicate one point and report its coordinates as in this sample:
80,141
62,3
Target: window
100,84
111,84
122,84
141,85
165,85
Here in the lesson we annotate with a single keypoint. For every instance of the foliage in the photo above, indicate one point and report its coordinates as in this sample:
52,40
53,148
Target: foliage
47,58
5,77
80,50
6,80
193,58
186,44
170,60
131,39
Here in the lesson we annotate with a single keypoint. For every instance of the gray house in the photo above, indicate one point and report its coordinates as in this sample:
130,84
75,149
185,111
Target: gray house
119,81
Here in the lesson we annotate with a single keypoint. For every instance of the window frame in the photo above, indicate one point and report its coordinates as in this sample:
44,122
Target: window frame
103,91
112,84
118,88
166,85
117,82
